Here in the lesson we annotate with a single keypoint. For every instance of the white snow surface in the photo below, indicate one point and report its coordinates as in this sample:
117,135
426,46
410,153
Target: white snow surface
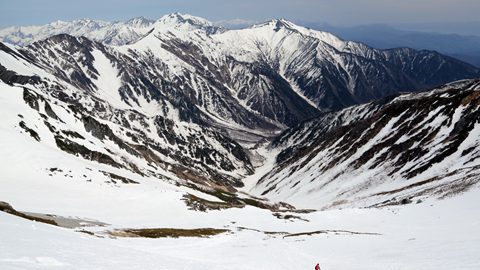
437,235
431,235
108,81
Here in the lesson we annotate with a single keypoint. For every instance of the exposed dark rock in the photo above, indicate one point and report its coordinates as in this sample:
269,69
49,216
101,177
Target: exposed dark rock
122,179
30,131
9,77
167,232
102,131
73,134
31,99
80,150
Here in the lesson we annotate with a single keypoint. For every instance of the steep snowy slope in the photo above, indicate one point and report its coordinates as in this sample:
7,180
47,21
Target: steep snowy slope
288,73
183,97
389,152
38,177
93,123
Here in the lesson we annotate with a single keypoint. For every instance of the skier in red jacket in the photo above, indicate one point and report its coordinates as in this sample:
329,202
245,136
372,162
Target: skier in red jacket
317,267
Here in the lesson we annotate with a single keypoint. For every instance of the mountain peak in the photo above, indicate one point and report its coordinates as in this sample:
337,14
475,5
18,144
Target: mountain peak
85,22
139,22
179,18
276,24
187,22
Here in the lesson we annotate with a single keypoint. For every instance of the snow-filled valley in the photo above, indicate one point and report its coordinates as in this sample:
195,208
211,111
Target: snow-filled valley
432,235
178,144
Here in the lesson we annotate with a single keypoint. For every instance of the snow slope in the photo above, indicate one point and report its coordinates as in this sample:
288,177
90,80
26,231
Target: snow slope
394,151
438,235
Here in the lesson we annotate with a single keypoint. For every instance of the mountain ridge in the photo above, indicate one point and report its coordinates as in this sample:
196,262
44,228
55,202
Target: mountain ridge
395,151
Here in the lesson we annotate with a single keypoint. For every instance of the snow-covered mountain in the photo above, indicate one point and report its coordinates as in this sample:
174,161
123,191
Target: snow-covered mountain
461,46
110,33
393,151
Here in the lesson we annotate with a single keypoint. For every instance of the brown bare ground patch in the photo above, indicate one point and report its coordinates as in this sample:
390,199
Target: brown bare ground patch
472,97
167,232
7,208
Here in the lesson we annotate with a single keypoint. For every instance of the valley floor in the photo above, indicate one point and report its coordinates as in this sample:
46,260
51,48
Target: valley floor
431,235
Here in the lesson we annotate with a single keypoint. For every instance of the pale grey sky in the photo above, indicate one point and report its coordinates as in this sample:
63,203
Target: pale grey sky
338,12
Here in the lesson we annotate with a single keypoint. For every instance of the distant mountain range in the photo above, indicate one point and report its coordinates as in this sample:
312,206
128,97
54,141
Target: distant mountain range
324,71
463,47
115,33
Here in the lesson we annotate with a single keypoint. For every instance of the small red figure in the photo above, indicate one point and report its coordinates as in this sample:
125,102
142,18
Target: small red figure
317,267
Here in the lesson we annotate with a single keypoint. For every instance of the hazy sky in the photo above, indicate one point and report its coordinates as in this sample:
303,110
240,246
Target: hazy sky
338,12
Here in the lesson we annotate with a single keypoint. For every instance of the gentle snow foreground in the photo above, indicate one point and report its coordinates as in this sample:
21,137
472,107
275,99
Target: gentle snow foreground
432,235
